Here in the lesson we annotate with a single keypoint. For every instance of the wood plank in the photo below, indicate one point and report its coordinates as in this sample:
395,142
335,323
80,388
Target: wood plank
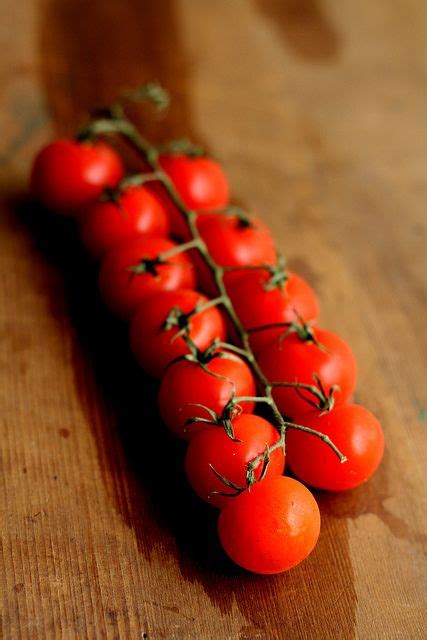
317,110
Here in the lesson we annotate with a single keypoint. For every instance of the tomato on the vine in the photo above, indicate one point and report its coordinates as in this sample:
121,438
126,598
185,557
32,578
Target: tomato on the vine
67,175
132,270
295,359
200,181
233,241
270,528
155,344
357,434
214,449
136,211
187,385
258,303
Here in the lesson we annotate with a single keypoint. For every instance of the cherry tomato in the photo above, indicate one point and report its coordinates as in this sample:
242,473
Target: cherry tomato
356,433
215,448
233,242
200,181
123,289
270,528
106,224
153,346
258,306
296,360
186,383
67,175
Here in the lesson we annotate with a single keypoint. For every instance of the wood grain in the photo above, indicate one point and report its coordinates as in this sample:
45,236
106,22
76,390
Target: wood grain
317,110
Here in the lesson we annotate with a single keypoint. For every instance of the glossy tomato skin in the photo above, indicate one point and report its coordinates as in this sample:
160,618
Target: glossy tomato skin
356,433
257,306
294,360
67,175
200,181
107,224
272,527
123,290
153,347
214,447
186,383
232,243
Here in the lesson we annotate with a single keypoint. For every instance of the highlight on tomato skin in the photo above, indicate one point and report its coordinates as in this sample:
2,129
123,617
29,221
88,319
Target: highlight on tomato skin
186,388
155,346
67,175
214,449
271,528
135,212
357,434
295,359
123,289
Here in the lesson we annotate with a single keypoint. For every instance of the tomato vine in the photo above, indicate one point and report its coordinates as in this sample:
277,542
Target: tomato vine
115,121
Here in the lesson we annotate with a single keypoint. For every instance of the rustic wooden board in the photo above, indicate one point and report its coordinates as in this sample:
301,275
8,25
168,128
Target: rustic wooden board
318,111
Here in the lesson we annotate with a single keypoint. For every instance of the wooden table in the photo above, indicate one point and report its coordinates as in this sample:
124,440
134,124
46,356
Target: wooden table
318,111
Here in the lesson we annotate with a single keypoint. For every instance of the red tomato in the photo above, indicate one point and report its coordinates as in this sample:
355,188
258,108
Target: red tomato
356,433
233,243
123,290
257,306
200,181
67,175
153,346
106,224
214,447
185,383
296,360
272,527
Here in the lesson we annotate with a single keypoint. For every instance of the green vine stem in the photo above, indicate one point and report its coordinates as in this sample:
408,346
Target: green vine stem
117,123
177,318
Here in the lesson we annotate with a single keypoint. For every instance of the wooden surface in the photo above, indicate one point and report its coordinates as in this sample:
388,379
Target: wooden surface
318,111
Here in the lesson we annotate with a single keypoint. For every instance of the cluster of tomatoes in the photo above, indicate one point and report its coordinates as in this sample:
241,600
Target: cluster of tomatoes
153,275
